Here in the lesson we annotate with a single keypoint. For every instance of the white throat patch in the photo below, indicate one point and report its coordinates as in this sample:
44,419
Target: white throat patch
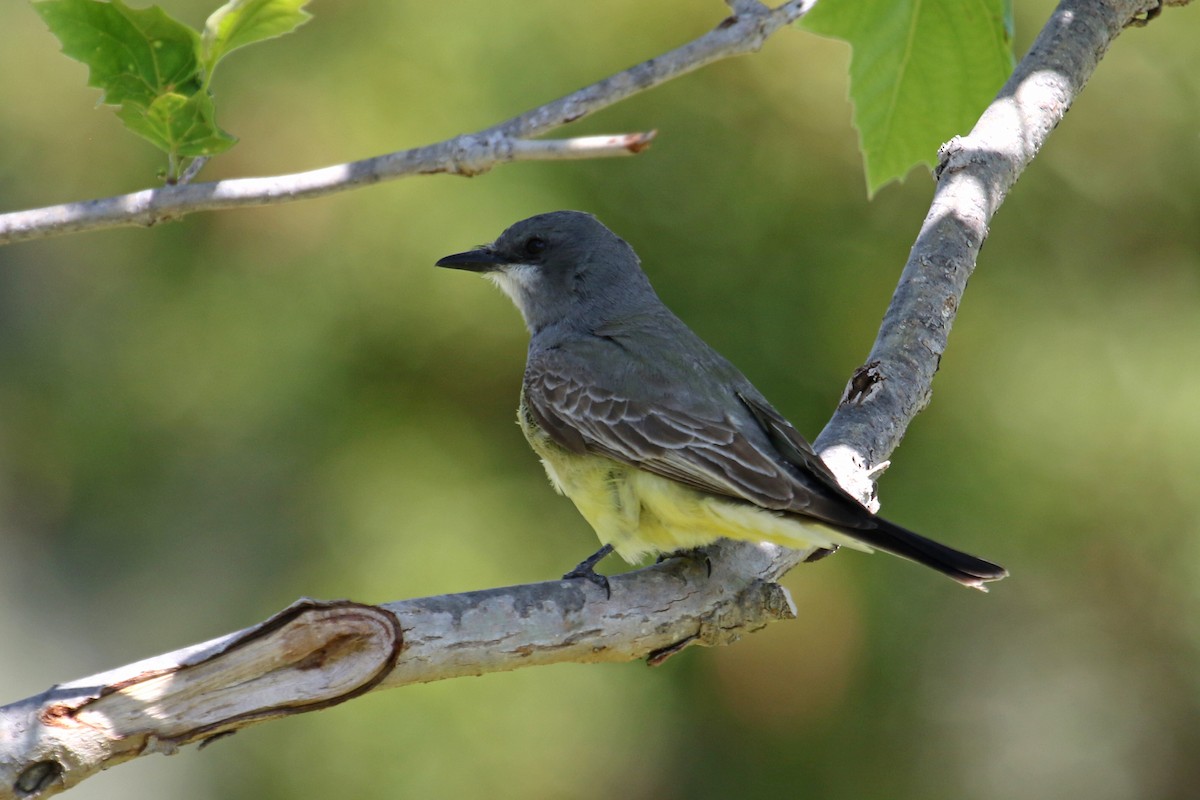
513,280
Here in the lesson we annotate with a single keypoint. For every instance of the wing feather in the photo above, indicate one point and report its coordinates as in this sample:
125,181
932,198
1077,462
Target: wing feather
709,454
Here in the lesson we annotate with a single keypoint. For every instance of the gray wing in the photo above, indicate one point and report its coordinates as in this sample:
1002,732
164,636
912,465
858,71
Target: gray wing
747,452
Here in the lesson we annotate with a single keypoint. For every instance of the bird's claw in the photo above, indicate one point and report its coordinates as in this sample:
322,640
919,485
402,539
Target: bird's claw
586,569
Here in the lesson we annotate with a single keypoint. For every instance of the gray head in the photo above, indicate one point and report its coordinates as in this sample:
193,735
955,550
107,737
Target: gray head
562,267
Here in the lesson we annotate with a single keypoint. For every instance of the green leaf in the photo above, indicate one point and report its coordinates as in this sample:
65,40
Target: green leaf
179,125
150,64
147,63
921,72
242,22
132,55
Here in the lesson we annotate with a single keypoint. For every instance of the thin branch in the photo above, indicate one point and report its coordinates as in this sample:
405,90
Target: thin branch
314,655
467,154
581,147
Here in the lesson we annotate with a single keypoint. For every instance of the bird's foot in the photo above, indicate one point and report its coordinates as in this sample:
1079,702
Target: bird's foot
586,569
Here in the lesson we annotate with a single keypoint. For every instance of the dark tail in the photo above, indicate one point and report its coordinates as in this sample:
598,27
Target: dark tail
966,569
824,499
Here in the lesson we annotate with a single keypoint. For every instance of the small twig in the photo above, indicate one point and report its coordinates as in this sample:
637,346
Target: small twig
193,169
626,144
464,155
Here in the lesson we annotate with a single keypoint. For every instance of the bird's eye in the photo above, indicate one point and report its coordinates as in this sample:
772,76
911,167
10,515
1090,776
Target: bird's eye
534,245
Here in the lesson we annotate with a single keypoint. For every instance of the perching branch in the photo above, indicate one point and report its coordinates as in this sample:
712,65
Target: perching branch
468,154
317,654
314,655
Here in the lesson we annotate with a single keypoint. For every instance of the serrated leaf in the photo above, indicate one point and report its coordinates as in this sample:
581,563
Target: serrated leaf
242,22
180,125
132,55
921,72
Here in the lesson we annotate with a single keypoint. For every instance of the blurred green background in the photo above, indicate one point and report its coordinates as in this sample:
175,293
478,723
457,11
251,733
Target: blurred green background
203,421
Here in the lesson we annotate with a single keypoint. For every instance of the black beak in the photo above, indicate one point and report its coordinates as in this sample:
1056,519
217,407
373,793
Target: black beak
481,260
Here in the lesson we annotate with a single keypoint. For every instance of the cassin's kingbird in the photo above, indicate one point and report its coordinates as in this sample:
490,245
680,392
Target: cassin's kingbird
661,443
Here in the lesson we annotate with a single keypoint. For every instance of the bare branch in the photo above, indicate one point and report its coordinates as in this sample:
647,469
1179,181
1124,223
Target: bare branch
464,155
467,155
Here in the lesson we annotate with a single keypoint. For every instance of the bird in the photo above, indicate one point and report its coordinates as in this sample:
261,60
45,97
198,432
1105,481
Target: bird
661,443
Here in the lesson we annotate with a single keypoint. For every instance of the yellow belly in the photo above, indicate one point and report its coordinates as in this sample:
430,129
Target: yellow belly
640,513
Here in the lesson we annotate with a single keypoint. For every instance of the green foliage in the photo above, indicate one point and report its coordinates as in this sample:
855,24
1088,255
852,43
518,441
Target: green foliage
158,70
921,72
242,22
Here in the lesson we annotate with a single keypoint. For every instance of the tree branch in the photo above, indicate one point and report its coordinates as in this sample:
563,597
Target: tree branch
974,174
316,654
467,154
